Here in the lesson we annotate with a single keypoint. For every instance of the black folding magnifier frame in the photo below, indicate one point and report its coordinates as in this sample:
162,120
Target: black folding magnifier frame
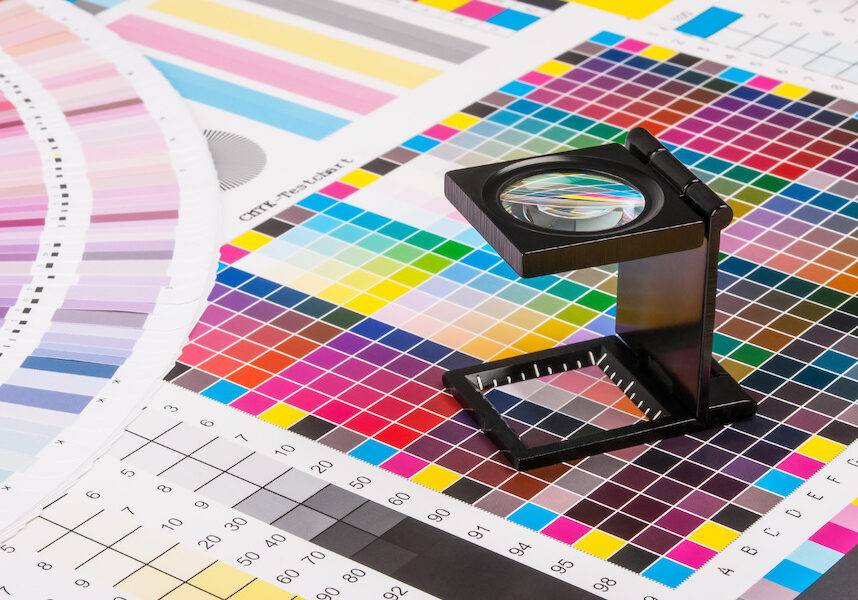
661,353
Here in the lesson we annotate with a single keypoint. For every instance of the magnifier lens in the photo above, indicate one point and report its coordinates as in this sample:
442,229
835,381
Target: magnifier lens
568,201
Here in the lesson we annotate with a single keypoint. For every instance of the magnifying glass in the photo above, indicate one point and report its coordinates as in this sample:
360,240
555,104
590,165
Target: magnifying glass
637,206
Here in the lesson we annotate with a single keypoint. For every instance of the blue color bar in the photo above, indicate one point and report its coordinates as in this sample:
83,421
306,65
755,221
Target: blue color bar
49,399
248,103
712,20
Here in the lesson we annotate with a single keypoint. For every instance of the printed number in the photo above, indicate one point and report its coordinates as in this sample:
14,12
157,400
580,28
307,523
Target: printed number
247,559
275,539
519,550
81,583
285,449
314,556
127,472
201,504
605,584
93,495
235,524
439,515
354,575
561,566
127,509
164,488
328,593
45,566
206,423
322,466
360,482
478,533
209,542
170,408
171,524
395,593
4,590
288,576
399,498
7,549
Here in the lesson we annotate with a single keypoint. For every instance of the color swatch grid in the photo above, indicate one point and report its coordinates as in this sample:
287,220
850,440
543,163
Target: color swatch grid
336,518
564,405
796,42
494,14
100,204
811,560
106,547
372,385
309,76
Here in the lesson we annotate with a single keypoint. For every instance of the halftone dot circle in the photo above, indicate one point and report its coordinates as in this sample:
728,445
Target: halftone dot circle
236,158
572,202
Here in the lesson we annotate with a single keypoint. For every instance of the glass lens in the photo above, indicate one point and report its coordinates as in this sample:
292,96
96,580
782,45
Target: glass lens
572,201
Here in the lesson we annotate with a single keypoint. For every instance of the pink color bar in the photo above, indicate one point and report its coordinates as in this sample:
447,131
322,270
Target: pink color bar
690,554
535,77
478,10
337,412
278,388
798,464
836,537
230,254
632,45
253,403
404,464
848,517
253,65
769,590
764,83
441,132
566,530
338,190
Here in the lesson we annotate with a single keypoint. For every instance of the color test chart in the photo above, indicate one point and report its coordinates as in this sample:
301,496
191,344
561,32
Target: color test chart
81,224
806,40
362,310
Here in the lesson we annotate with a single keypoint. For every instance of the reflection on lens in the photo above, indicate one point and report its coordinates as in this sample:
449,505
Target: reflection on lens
572,201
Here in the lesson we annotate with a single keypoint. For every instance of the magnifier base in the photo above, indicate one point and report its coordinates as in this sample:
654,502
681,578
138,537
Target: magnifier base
668,414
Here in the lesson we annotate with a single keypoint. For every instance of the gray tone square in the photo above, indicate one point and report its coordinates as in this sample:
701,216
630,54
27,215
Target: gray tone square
342,439
154,458
602,465
258,469
579,482
582,409
383,556
221,453
227,489
304,522
191,473
185,438
343,539
296,485
194,380
265,506
374,518
334,501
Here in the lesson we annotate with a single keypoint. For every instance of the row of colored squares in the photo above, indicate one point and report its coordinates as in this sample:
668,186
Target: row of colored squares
494,14
807,563
727,139
582,312
720,123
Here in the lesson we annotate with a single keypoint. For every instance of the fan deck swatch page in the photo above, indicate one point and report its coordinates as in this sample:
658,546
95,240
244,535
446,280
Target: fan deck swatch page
302,444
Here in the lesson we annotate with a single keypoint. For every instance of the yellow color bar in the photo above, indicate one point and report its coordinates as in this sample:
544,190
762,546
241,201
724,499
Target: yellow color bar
635,9
299,41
